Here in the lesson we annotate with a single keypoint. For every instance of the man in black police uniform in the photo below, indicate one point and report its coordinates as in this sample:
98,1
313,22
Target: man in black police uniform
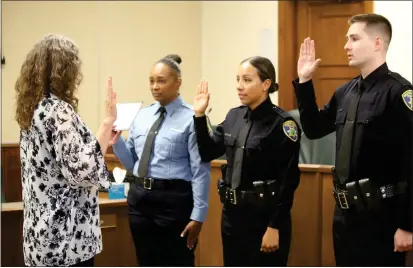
373,117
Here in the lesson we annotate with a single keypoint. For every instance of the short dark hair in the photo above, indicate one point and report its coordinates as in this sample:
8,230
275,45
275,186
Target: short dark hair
265,70
173,61
375,21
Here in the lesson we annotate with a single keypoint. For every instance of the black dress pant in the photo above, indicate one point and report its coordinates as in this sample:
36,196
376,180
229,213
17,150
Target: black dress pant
157,218
365,239
243,227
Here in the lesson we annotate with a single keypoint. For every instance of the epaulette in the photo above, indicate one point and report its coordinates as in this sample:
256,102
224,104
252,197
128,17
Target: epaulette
290,127
407,88
143,108
186,105
240,107
281,112
403,81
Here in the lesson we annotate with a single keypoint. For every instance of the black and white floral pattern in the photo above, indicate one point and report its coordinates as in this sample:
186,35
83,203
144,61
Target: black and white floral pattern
62,170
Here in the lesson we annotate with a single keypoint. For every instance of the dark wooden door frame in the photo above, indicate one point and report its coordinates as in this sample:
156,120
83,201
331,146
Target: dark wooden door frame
287,56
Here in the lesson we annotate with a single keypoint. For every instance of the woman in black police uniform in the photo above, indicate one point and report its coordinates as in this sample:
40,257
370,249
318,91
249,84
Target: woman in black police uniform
262,144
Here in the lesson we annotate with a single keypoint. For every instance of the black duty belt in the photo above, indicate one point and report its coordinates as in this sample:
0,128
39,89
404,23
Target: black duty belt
157,183
355,193
238,196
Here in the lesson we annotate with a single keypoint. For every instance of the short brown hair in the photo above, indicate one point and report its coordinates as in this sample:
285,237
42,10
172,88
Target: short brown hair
376,21
52,65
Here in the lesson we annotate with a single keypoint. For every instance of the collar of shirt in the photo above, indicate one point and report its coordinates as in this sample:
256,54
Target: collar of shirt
369,80
171,107
260,111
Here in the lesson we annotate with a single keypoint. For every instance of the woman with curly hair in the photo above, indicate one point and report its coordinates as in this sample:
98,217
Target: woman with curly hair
62,164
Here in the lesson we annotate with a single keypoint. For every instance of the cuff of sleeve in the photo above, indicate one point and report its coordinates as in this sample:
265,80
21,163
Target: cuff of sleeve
406,225
305,90
200,121
201,125
118,146
198,214
104,181
275,222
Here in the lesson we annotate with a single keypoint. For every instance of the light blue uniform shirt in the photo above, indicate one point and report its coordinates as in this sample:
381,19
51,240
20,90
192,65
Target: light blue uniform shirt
174,153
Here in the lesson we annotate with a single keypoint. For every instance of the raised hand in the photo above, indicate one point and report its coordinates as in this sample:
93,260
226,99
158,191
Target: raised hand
201,100
110,103
114,137
306,62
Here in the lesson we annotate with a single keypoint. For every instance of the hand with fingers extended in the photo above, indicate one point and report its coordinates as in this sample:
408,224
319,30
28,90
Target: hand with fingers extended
307,63
114,137
110,103
201,100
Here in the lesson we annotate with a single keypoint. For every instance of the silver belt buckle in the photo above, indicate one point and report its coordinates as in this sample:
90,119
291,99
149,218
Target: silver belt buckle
232,196
147,183
342,200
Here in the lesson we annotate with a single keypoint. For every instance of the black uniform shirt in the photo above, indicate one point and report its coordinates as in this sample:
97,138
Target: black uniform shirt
382,143
271,150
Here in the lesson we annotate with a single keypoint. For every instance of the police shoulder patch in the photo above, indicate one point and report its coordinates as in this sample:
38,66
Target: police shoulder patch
290,130
407,98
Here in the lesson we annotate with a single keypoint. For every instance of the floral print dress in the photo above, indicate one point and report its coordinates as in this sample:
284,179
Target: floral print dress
62,169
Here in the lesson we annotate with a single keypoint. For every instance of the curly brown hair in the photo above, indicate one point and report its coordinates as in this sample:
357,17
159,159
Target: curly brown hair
53,65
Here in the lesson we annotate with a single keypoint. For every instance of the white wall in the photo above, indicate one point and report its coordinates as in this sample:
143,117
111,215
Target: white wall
125,38
399,56
231,32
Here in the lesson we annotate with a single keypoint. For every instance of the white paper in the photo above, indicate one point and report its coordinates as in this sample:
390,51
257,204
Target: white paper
126,114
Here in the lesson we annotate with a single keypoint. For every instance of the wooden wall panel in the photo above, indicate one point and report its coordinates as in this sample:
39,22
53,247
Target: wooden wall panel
210,244
11,172
306,219
12,239
328,204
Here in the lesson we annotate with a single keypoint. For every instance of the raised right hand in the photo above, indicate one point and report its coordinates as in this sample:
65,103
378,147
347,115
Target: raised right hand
201,100
110,103
306,62
114,136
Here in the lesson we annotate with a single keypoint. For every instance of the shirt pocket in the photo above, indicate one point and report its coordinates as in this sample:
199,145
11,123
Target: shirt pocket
340,118
139,139
369,110
178,144
229,142
253,146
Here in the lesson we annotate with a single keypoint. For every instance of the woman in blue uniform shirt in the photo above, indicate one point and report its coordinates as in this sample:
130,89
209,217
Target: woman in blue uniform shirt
168,198
261,143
